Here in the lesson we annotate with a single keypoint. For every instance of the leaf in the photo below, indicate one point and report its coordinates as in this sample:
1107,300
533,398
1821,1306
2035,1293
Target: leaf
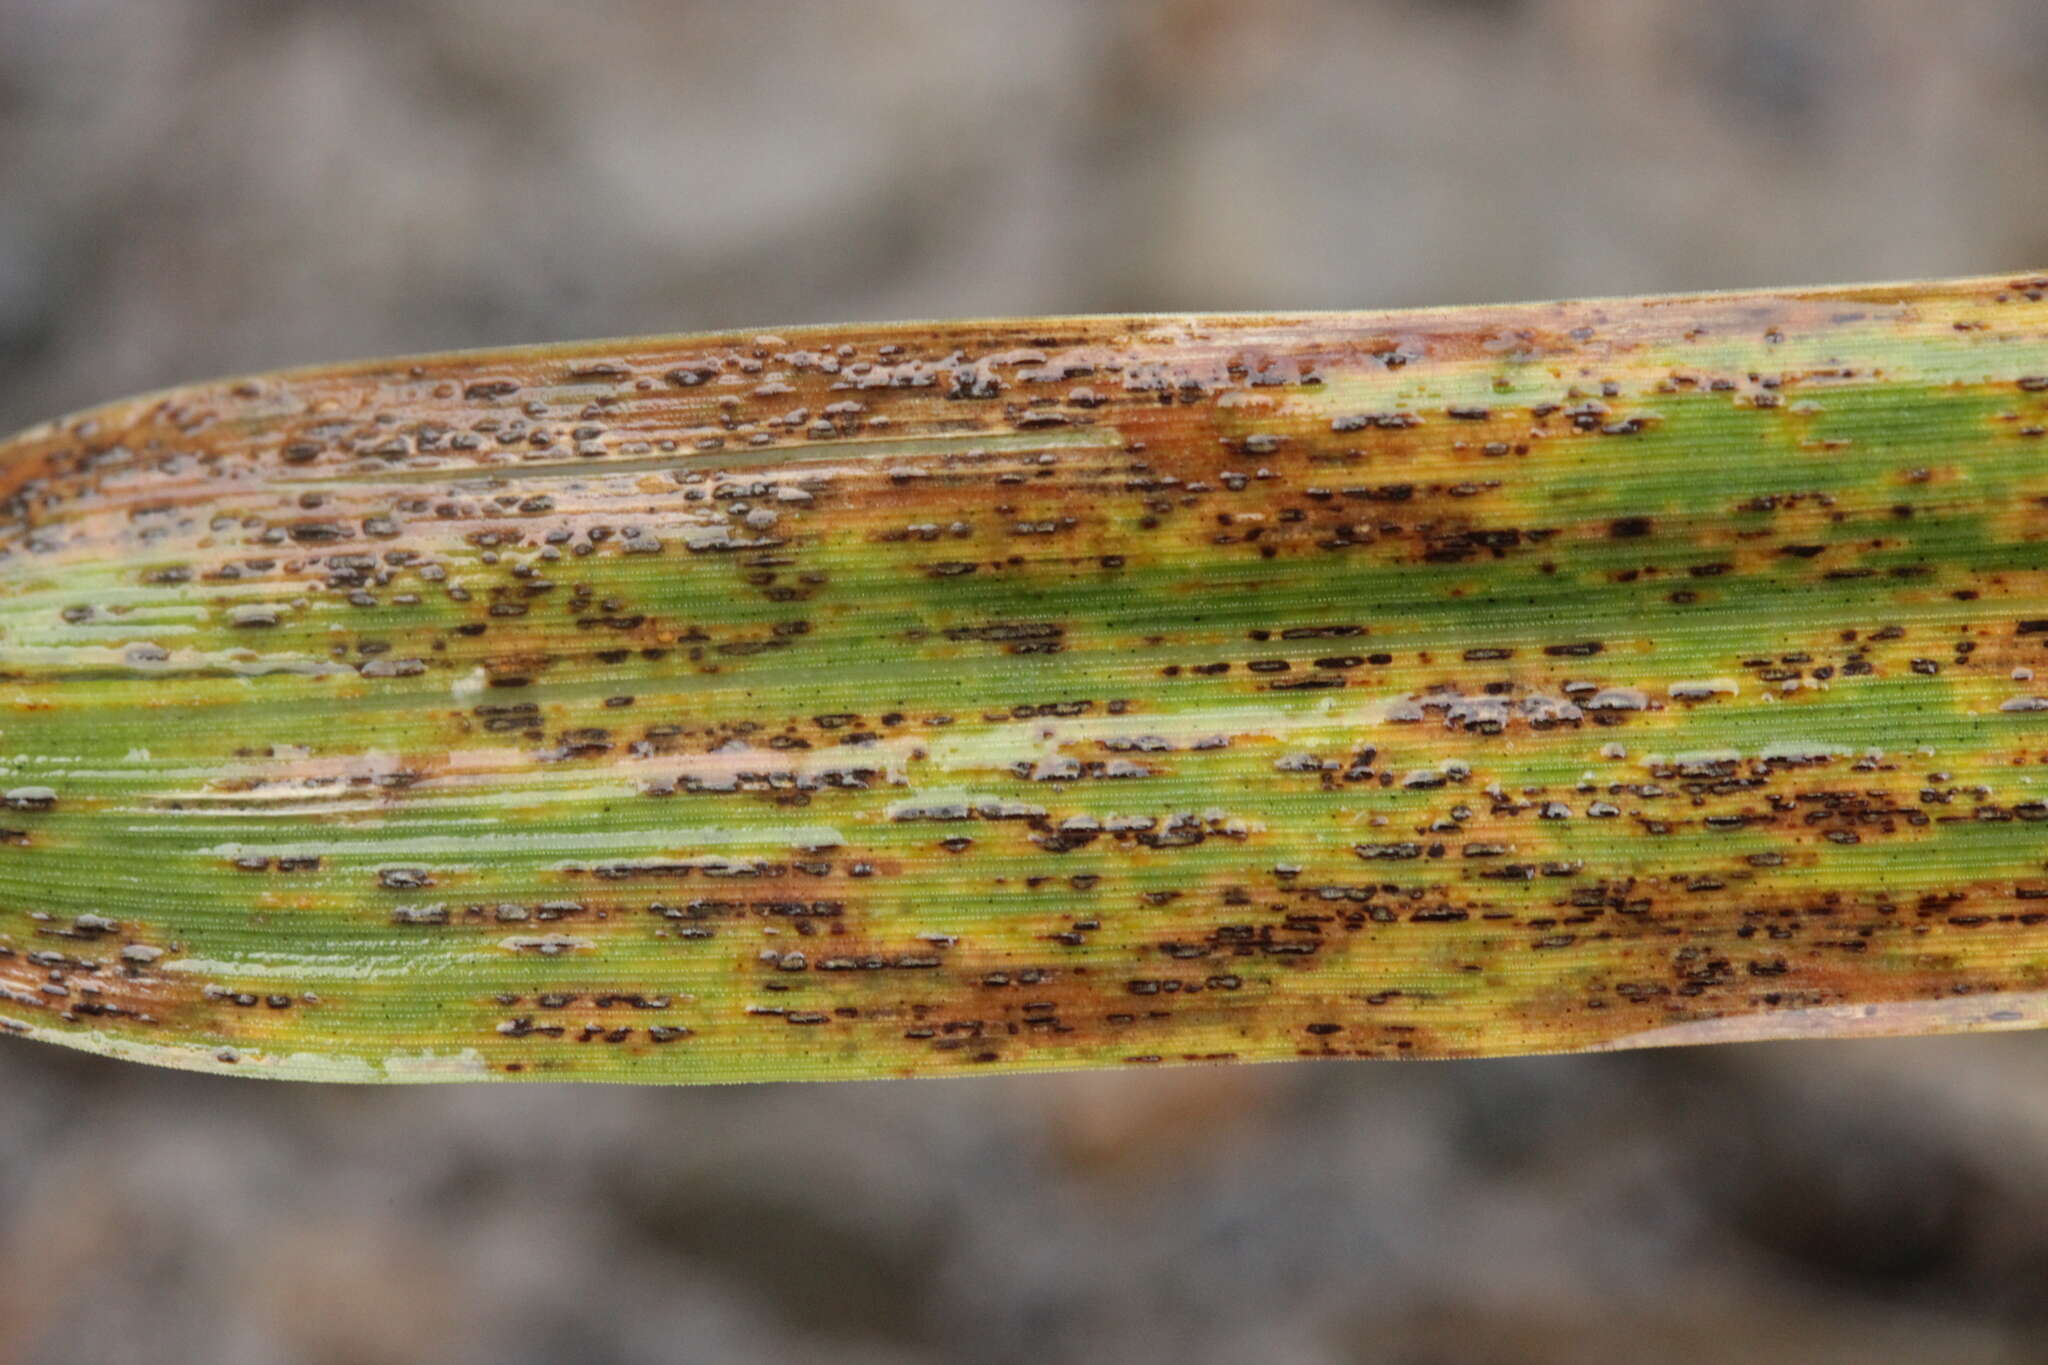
931,698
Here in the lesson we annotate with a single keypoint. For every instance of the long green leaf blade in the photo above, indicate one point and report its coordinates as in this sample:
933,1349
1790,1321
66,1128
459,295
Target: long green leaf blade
928,698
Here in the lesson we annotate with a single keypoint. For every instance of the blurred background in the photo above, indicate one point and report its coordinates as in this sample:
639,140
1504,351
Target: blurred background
192,187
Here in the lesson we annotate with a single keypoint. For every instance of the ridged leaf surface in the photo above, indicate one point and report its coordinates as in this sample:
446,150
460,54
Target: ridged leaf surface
927,698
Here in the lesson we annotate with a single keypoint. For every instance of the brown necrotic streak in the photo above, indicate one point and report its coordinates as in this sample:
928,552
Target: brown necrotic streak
861,701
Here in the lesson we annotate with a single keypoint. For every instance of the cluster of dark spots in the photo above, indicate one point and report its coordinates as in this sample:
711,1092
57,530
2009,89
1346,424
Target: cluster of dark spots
510,718
1384,493
1325,632
1460,546
289,862
1776,502
587,741
1173,985
1375,421
602,1000
1016,637
523,1026
806,915
776,782
1295,937
708,866
1631,425
1064,768
501,912
1186,829
74,986
245,999
871,962
617,1034
1271,668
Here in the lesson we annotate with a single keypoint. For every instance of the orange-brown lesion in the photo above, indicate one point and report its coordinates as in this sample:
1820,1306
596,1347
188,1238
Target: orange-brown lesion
91,973
1738,958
